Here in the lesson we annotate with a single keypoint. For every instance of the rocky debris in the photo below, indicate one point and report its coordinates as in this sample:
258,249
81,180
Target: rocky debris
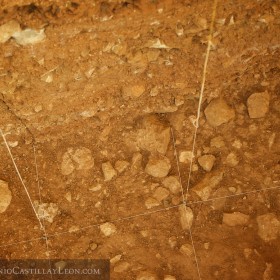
5,196
108,229
217,142
115,259
121,267
146,275
79,159
46,211
258,104
153,135
151,202
161,193
133,91
235,219
186,249
232,160
269,227
74,229
173,184
93,246
186,217
95,188
218,112
29,36
206,162
108,171
208,184
158,166
68,197
169,277
121,165
185,156
8,29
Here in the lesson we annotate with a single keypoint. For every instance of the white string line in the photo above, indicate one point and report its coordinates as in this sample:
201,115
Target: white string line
184,201
177,162
202,91
144,214
40,200
117,220
231,195
19,175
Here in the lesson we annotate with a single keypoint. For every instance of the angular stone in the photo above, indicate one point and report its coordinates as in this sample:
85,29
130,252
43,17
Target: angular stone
186,217
235,219
67,164
206,162
153,135
5,196
186,249
185,156
173,184
258,104
158,166
46,211
108,171
8,29
161,193
29,36
218,112
133,91
269,227
108,229
151,202
207,185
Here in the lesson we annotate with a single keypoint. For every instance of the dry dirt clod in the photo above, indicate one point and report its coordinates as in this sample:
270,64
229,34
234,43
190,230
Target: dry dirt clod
173,184
161,194
207,162
108,171
158,166
121,267
258,104
78,159
218,112
8,29
269,227
133,91
108,229
235,219
5,196
232,160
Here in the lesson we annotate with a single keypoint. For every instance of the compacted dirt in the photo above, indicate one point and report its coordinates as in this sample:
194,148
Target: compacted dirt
99,115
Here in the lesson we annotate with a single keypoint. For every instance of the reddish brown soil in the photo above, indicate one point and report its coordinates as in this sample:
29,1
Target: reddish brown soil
100,55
